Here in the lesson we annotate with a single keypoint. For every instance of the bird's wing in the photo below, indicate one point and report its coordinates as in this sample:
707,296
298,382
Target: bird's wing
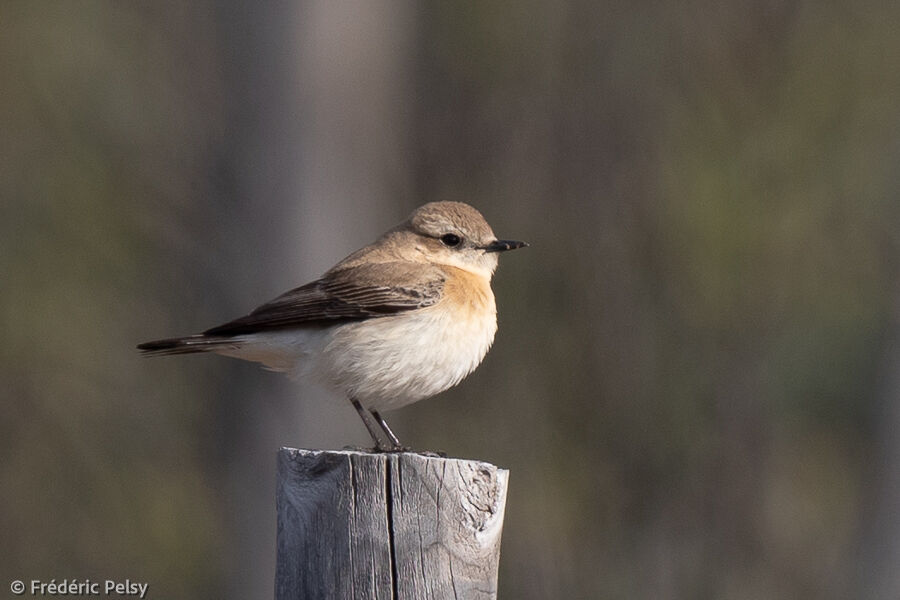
348,294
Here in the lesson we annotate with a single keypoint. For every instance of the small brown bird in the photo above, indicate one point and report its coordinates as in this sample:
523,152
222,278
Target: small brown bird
397,321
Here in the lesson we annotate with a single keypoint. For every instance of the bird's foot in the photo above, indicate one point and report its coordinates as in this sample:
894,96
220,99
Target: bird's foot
358,449
393,449
431,454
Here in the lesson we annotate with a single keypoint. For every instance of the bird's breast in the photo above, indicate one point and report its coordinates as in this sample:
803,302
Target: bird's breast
392,361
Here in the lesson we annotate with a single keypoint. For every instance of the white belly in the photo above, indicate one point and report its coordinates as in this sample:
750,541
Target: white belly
386,362
389,362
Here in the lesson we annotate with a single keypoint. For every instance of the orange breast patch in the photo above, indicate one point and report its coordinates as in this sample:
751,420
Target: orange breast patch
468,293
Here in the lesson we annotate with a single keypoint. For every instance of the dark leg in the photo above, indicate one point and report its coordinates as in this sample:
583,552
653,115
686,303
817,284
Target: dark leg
362,415
387,430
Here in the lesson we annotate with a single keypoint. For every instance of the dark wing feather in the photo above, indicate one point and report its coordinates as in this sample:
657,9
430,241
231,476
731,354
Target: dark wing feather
349,294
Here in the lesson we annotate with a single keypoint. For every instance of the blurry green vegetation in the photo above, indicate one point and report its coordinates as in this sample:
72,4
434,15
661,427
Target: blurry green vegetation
694,379
101,475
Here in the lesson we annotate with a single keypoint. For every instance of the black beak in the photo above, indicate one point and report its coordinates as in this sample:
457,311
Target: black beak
503,246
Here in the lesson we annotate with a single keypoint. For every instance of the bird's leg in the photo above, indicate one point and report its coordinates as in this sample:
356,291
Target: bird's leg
398,447
379,447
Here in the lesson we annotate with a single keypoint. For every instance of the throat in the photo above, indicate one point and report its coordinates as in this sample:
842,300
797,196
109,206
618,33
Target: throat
469,294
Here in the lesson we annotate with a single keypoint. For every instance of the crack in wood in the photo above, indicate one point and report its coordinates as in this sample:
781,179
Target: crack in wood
353,503
389,502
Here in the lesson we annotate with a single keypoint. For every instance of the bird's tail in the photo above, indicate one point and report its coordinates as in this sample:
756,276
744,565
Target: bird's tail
186,345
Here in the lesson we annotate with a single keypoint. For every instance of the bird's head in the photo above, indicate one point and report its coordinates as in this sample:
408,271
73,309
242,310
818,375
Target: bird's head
455,234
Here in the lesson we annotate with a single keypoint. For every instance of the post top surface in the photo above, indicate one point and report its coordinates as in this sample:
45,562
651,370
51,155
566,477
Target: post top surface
379,456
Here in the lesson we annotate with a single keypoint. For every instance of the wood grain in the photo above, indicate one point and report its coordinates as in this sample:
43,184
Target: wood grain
394,526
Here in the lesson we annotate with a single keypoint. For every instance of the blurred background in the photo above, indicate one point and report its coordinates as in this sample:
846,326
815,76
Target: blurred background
696,381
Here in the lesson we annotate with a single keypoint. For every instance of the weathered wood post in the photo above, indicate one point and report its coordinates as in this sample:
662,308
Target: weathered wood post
400,526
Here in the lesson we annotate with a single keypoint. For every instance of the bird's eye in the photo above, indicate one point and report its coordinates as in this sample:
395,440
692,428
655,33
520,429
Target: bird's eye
451,239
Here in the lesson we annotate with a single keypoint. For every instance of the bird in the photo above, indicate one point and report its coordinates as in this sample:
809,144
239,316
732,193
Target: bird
400,320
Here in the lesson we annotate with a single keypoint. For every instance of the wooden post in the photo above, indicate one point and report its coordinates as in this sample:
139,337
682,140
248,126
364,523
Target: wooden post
392,526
